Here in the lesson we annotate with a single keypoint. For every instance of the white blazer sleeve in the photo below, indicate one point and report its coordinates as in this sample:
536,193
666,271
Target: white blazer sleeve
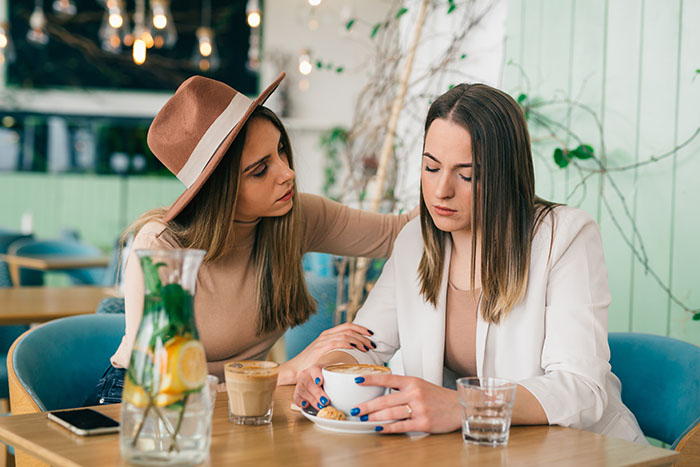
378,314
575,355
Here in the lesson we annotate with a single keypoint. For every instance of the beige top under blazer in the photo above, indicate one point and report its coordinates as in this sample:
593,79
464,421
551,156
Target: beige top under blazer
554,342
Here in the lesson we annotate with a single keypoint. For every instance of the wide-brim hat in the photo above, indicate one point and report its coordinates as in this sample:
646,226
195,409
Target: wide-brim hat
195,128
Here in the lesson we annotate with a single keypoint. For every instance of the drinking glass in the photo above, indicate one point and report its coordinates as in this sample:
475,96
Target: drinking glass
487,406
250,385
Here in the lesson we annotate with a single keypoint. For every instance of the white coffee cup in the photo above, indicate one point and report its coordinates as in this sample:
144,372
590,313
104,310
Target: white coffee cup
344,393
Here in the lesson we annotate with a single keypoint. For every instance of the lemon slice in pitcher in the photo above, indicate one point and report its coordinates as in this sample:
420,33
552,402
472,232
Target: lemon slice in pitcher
134,394
185,368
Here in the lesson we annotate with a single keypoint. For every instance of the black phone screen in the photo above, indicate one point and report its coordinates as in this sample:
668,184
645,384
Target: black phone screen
86,419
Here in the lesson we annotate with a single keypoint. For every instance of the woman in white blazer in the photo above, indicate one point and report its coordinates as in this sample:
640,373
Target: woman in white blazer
523,282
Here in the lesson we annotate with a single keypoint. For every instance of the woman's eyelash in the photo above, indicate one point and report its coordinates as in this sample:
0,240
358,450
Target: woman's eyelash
428,169
261,173
466,179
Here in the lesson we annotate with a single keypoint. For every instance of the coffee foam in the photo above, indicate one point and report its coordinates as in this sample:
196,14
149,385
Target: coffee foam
358,369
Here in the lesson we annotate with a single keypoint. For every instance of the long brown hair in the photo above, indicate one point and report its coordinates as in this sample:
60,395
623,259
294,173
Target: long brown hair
505,211
207,223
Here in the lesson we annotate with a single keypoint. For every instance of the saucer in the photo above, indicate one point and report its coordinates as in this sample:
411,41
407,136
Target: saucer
342,426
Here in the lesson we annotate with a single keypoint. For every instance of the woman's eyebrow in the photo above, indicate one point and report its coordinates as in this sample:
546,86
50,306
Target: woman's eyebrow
458,166
256,163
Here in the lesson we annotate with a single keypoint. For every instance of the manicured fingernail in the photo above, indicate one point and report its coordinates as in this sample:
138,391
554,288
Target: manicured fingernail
373,344
324,401
320,406
354,411
370,332
317,380
364,418
360,379
366,348
378,428
303,403
353,344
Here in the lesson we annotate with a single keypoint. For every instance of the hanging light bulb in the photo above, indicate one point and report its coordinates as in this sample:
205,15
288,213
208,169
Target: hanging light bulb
7,48
305,62
161,25
37,26
114,30
140,33
139,51
65,7
314,2
253,63
253,13
205,56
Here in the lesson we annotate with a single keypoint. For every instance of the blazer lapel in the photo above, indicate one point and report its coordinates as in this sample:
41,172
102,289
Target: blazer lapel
433,328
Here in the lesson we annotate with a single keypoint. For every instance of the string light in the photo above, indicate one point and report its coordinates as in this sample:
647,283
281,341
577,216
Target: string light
7,49
37,26
139,51
305,63
314,2
65,7
205,56
140,33
162,26
253,13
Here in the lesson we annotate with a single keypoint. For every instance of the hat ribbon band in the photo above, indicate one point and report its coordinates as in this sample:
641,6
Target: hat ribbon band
213,137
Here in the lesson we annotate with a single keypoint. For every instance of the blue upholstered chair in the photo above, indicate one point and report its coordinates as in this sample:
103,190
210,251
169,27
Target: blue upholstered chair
324,290
89,276
661,385
57,365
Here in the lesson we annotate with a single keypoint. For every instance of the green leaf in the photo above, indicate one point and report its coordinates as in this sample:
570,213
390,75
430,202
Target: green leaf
350,24
150,275
584,151
696,316
400,13
522,98
559,158
375,30
451,8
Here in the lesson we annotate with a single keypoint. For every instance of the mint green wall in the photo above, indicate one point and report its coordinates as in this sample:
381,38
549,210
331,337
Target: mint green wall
633,62
99,207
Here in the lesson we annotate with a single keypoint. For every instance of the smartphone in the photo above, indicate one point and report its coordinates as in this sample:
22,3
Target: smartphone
85,422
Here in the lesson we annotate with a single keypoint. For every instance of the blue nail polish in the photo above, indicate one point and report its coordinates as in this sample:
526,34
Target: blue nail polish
360,379
373,344
324,401
366,348
320,406
378,428
317,380
303,403
354,411
370,332
364,418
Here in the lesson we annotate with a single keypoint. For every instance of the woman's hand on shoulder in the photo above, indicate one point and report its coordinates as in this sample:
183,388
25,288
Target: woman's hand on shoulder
345,336
417,405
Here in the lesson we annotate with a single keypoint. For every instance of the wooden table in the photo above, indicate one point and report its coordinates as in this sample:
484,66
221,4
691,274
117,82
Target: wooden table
292,440
24,305
51,263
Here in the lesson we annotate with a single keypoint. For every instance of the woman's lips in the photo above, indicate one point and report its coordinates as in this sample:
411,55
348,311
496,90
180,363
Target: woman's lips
287,196
443,211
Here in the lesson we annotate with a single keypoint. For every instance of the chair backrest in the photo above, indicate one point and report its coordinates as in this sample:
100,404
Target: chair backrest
660,382
6,239
89,276
58,364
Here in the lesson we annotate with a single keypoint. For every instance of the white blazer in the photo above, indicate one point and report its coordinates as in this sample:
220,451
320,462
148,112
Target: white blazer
554,342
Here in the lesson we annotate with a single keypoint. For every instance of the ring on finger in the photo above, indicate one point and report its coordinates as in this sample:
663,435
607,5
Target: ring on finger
410,411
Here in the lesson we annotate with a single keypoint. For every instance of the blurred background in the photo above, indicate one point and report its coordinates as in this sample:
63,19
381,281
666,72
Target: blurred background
611,90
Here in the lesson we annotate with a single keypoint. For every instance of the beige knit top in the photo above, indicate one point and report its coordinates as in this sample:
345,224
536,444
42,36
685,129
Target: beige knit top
460,330
225,295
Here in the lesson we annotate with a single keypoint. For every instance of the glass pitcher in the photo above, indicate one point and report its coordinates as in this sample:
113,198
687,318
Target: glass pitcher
165,403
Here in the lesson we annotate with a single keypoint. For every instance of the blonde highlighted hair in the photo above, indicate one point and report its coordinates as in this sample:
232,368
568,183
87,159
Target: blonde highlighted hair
207,223
505,211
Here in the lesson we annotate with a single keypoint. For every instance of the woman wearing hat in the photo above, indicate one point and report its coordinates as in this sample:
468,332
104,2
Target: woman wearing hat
241,205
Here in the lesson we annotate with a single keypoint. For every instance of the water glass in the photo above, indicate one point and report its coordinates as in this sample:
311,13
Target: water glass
487,406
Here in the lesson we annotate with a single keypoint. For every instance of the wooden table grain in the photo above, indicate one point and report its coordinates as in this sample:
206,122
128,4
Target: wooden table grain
51,263
292,440
25,305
